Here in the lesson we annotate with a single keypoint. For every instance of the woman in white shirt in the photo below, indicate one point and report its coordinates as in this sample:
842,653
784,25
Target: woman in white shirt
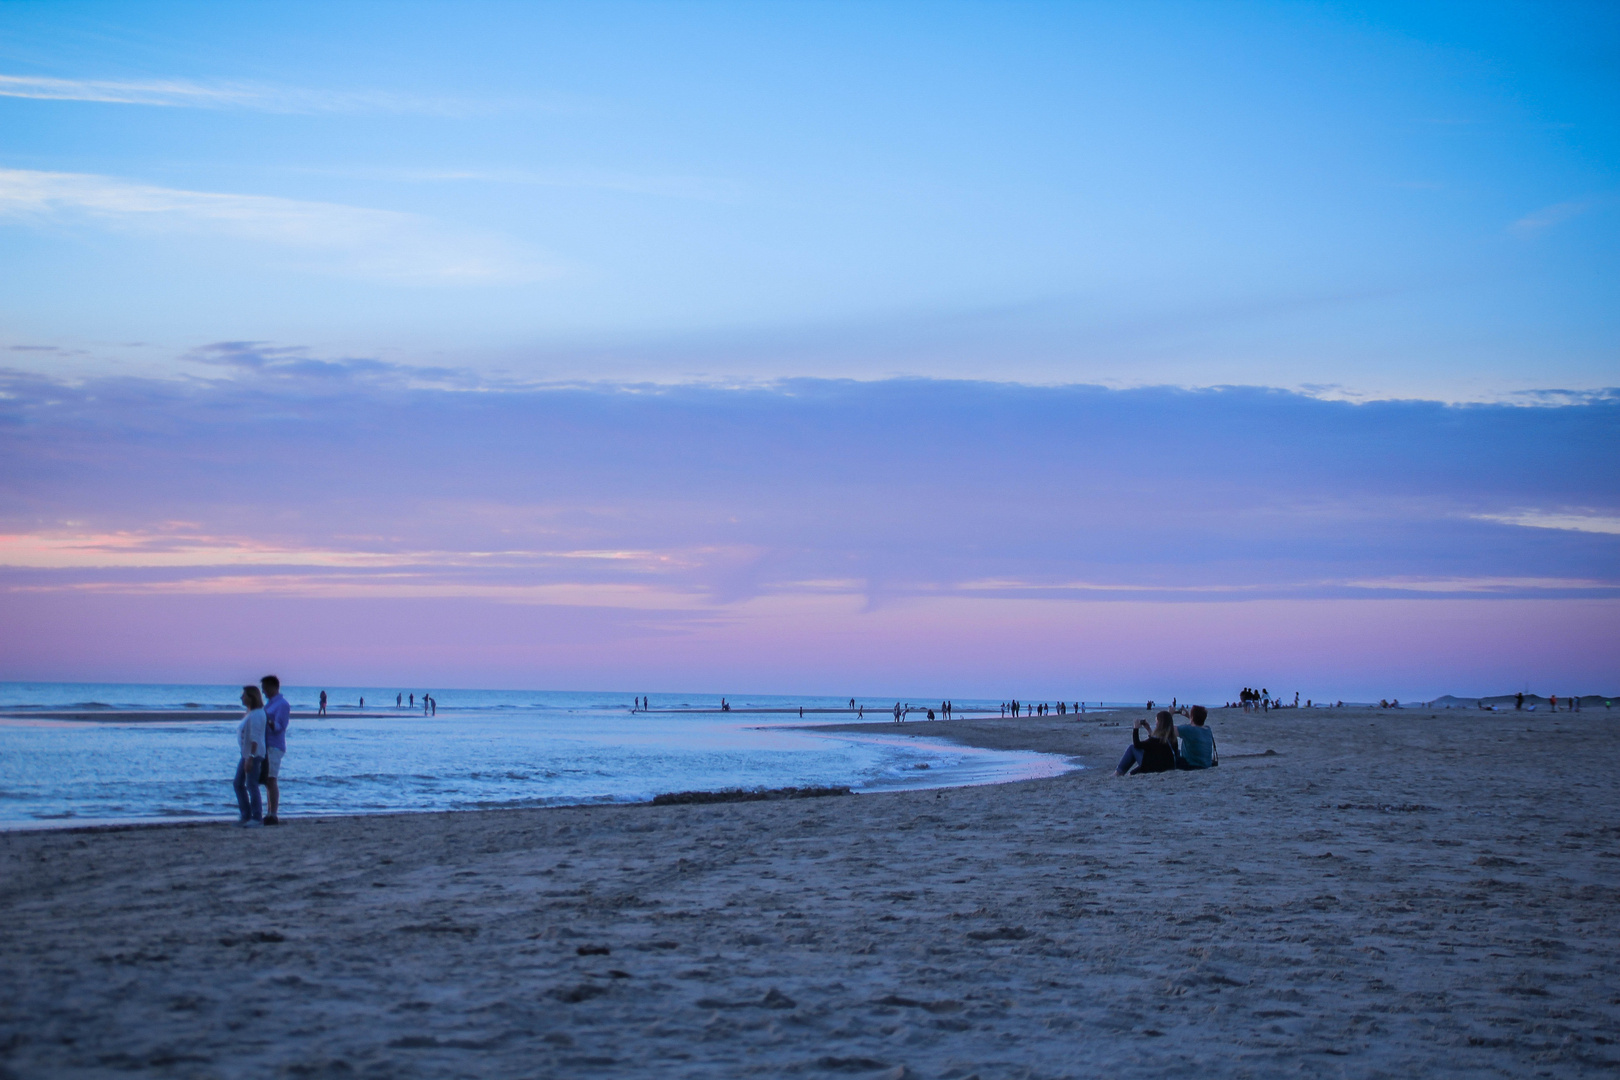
250,741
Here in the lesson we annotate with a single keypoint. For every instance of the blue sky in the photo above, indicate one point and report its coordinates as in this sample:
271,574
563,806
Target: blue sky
1009,350
1407,200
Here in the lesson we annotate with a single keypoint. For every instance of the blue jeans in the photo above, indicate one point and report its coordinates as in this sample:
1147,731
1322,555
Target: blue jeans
246,782
1132,758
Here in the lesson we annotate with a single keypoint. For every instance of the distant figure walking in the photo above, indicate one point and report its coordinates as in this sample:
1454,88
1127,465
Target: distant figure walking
413,699
322,711
250,759
399,700
897,712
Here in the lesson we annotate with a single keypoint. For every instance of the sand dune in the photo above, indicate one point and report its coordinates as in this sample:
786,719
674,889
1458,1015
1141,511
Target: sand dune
1386,895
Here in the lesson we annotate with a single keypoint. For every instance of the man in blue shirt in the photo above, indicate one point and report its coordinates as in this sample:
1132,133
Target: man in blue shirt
1197,742
277,715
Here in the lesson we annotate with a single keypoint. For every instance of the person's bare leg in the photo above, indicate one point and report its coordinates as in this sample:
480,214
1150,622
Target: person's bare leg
273,787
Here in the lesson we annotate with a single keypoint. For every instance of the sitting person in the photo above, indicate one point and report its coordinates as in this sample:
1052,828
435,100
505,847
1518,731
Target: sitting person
1157,754
1197,742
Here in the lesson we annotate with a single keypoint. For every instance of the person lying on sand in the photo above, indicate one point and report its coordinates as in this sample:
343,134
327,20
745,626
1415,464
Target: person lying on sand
1157,754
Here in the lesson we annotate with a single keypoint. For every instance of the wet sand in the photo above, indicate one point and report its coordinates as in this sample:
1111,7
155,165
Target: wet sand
1386,895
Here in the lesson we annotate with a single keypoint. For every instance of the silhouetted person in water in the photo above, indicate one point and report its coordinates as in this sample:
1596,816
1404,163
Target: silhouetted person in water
323,704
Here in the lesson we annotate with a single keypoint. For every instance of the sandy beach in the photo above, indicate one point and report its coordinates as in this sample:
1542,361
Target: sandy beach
1387,894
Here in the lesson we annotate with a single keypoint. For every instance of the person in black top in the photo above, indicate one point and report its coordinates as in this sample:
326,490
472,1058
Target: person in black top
1155,754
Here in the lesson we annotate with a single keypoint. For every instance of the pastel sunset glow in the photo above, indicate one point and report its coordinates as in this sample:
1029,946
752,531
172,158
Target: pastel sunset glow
1072,350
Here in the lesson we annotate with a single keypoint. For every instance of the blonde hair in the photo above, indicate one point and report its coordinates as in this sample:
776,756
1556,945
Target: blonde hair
1165,729
255,699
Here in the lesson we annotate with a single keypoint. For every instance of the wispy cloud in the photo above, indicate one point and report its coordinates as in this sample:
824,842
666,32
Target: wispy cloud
169,550
332,238
1570,521
692,188
1548,216
397,587
1502,586
184,93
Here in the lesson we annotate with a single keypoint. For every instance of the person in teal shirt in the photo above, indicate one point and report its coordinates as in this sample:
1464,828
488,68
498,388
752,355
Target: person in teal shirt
1198,742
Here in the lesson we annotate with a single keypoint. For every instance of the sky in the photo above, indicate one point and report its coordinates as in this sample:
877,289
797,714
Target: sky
1072,350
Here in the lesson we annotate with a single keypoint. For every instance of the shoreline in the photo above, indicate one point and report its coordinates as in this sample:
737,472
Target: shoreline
951,776
113,714
1385,895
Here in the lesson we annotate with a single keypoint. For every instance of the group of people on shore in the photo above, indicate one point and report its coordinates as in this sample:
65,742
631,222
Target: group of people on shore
905,709
1169,747
261,739
1062,708
430,704
1571,704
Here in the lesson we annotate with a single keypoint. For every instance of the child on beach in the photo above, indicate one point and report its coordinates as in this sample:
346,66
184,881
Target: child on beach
250,743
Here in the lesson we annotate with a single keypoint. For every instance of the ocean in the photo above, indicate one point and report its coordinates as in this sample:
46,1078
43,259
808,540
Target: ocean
484,749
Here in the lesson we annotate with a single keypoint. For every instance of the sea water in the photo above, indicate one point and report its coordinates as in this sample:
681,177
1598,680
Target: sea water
484,749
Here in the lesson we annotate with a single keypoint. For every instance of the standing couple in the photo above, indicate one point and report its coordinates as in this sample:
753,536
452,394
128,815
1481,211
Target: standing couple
262,739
